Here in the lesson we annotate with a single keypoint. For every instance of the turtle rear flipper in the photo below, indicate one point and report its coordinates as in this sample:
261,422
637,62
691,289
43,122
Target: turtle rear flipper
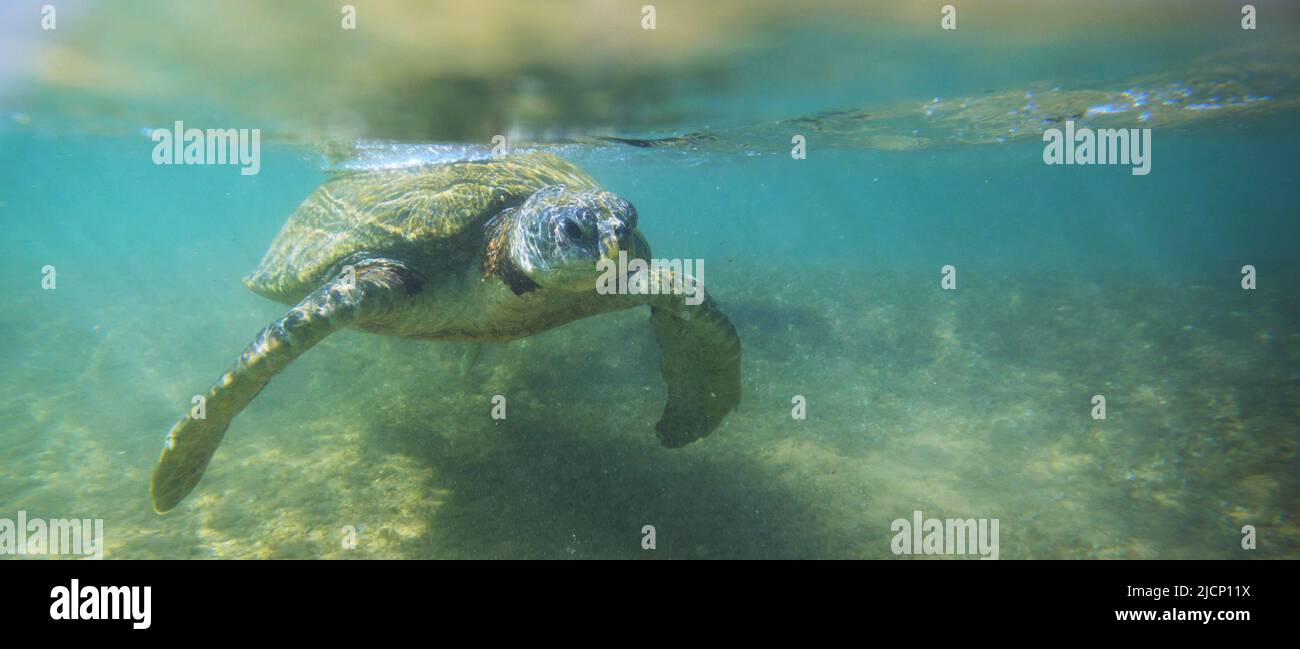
700,361
191,442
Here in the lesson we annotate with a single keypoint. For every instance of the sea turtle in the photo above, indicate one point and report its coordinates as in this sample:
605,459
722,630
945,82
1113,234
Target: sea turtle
473,250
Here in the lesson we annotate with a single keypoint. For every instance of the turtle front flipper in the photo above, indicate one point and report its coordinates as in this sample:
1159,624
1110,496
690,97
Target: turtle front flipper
362,290
700,361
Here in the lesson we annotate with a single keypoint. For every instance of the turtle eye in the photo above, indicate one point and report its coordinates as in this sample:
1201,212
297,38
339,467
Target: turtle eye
571,229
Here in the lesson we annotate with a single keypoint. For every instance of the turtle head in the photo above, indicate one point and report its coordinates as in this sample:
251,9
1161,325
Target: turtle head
559,235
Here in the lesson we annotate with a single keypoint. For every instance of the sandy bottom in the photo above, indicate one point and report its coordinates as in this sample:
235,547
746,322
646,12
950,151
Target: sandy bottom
973,404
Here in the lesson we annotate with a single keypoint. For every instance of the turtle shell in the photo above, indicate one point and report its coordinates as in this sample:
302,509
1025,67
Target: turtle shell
426,214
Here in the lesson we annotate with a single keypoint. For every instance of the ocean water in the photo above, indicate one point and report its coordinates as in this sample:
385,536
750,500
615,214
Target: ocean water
923,149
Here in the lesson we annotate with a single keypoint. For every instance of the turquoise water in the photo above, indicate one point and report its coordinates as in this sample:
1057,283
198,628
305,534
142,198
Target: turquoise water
922,151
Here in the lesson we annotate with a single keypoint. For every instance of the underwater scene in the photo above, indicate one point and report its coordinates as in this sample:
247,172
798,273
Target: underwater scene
1026,267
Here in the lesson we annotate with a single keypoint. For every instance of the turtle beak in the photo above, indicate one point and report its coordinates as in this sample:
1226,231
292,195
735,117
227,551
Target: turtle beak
609,246
611,239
